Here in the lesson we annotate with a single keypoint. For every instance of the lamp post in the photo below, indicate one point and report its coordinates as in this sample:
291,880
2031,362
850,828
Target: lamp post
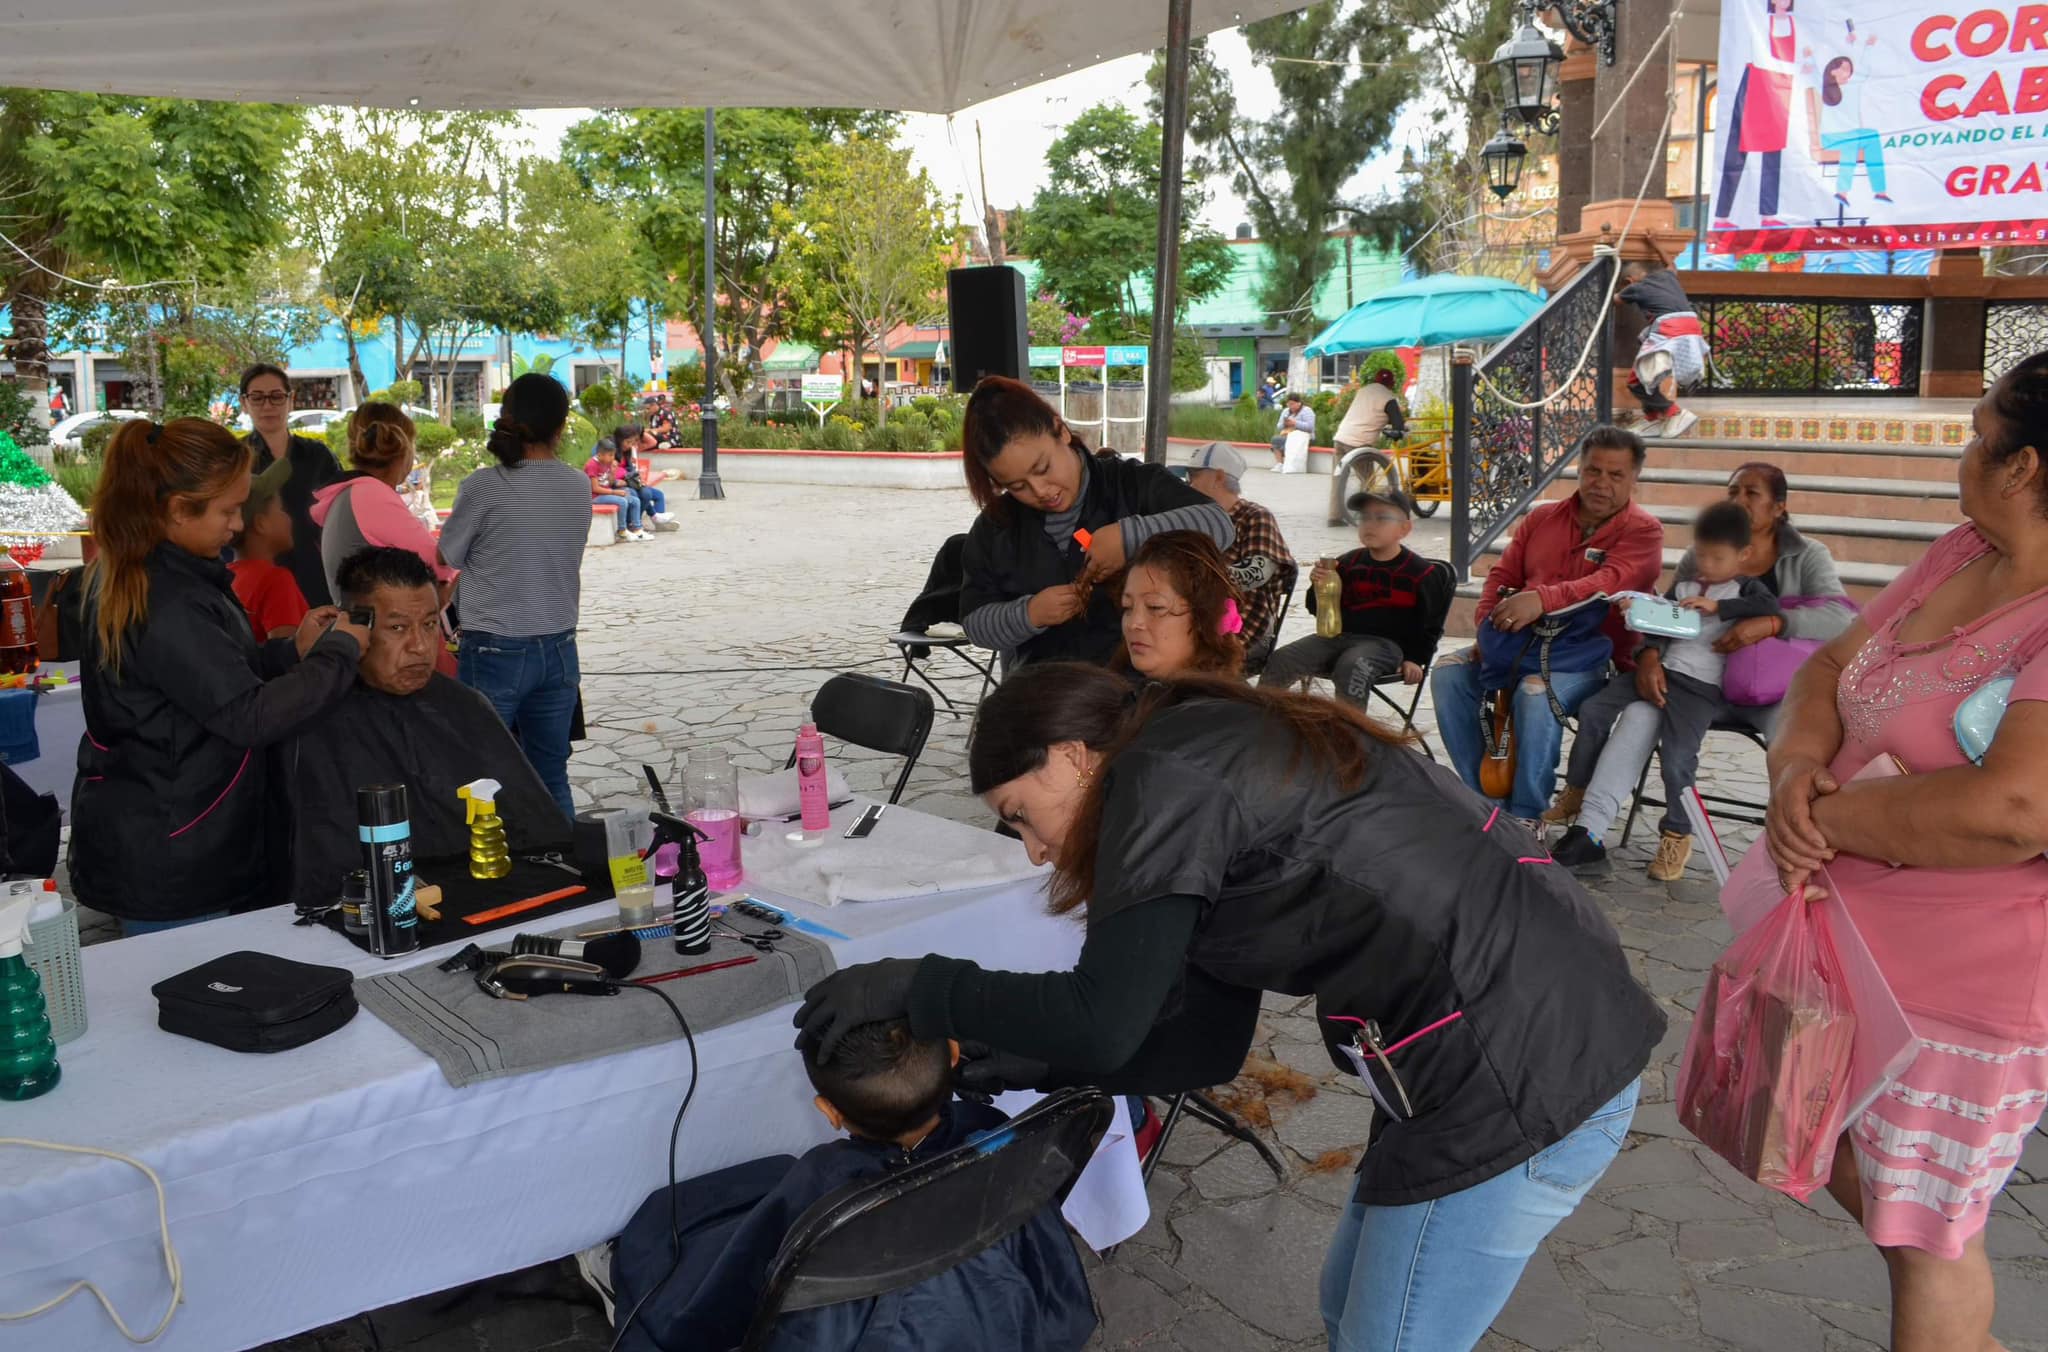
709,485
1590,21
1527,65
1503,157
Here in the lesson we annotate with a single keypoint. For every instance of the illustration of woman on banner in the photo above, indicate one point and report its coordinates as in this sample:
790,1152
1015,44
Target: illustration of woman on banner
1760,119
1843,128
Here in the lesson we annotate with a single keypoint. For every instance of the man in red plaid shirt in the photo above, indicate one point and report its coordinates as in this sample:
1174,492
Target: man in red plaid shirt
1259,562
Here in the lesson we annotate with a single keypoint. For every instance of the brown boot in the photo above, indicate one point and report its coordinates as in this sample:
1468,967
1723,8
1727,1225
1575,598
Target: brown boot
1565,810
1672,852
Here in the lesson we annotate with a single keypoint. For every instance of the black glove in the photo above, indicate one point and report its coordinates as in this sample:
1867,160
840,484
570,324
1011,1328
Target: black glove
984,1072
848,998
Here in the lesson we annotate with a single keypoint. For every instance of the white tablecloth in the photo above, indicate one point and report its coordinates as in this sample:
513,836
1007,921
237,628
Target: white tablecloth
308,1185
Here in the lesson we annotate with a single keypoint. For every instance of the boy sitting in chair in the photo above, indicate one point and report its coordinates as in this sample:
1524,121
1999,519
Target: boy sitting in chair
893,1097
1393,601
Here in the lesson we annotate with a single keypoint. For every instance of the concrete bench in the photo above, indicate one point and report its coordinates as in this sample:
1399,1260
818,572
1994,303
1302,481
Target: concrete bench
604,524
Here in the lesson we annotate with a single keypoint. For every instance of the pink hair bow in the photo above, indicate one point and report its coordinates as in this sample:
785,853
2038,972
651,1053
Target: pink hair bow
1232,622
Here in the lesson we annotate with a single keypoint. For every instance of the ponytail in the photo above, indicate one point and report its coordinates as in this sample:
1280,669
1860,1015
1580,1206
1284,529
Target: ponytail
380,435
535,410
148,466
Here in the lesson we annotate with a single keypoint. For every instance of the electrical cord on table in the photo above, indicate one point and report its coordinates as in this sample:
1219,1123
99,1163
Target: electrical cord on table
675,1133
163,1220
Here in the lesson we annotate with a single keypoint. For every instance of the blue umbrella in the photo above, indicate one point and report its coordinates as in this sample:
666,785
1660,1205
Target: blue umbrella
1429,312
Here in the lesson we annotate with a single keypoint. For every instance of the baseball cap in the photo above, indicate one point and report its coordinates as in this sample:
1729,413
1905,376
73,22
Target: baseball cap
264,488
1393,497
1220,456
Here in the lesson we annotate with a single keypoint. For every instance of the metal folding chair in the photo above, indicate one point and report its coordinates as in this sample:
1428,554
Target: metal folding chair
1407,714
939,605
877,714
1740,809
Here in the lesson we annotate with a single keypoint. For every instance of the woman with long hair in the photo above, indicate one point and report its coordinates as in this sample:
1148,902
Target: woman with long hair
1181,611
1226,841
517,532
1939,859
173,818
1037,486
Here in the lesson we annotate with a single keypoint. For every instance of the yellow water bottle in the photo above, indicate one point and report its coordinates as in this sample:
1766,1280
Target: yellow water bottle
489,856
1329,600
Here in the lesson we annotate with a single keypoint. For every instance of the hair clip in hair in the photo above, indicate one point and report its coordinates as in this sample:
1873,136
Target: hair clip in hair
1232,621
156,429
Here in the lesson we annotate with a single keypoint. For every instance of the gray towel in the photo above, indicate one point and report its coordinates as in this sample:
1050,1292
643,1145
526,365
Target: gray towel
472,1036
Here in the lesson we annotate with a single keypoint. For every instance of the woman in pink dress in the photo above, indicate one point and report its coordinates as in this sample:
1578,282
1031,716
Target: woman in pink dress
1961,930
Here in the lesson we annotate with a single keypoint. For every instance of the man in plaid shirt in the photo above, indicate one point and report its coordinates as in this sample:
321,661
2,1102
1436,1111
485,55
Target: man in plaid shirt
1259,562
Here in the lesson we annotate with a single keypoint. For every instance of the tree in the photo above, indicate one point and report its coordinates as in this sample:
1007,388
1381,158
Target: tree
492,281
1094,227
134,191
1344,71
602,265
871,247
387,197
648,164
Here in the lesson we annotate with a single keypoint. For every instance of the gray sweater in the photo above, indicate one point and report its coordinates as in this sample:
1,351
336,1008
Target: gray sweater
1804,569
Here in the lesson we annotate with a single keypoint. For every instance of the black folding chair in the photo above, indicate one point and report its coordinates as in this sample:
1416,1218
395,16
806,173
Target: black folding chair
1259,653
908,1226
1740,809
877,714
939,603
1206,1110
1414,702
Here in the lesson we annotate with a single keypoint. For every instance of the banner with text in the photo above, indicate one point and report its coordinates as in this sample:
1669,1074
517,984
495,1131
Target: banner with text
1879,123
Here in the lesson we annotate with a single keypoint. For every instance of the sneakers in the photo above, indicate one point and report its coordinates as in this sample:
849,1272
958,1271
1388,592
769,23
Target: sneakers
1679,423
665,524
637,536
664,518
1672,852
1650,427
594,1264
1578,849
1566,809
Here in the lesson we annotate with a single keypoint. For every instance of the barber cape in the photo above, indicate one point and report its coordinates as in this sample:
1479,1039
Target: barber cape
1025,1293
433,742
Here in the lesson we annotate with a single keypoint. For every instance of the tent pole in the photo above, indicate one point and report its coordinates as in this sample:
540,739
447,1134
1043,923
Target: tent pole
709,485
1166,261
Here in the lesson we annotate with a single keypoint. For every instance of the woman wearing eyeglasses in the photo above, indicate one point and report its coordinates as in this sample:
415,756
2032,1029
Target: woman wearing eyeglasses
267,398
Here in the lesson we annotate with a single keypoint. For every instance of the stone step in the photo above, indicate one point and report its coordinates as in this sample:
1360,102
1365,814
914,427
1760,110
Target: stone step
1771,425
1925,463
1850,539
1820,494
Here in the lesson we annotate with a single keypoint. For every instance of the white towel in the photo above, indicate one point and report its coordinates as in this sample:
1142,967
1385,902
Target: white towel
775,794
908,854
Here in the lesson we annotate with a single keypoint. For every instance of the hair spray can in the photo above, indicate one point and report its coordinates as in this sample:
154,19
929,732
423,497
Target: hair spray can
383,824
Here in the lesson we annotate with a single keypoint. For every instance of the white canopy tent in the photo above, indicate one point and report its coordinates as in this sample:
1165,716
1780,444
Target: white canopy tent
922,56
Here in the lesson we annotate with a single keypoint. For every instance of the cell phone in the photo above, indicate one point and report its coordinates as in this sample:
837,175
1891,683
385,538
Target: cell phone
362,615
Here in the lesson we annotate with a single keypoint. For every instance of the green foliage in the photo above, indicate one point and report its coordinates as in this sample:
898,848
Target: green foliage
1343,73
600,401
599,264
841,434
18,415
1236,423
80,478
1384,360
92,444
403,392
469,426
542,364
1094,227
577,439
432,438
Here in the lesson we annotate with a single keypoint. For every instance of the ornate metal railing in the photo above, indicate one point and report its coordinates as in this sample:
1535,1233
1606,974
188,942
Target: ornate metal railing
1799,345
1503,457
2013,331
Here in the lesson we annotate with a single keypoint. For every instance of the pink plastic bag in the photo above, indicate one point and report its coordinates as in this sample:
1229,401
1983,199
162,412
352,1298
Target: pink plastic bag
1764,1080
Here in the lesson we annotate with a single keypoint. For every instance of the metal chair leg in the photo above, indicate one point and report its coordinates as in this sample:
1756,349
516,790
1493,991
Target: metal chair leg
910,668
1174,1108
1635,801
1205,1109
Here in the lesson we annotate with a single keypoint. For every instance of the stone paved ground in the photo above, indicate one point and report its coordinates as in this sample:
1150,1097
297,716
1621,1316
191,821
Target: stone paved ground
682,641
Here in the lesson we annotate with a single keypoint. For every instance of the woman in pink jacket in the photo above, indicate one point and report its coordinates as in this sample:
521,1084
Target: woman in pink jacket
364,508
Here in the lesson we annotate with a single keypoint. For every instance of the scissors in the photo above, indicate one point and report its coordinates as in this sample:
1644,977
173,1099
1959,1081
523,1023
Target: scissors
763,942
552,859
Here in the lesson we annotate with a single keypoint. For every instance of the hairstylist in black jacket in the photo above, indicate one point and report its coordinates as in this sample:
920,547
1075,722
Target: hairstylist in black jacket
1227,842
1036,484
174,817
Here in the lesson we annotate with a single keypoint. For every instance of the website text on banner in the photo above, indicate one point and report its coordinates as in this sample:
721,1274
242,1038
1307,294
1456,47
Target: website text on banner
1847,124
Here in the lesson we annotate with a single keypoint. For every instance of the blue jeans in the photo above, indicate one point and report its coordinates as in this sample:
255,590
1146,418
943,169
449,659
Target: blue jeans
628,505
1849,144
1454,687
1431,1277
653,501
131,928
532,683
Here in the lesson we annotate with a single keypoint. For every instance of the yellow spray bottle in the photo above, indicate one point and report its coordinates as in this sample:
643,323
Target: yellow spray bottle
489,856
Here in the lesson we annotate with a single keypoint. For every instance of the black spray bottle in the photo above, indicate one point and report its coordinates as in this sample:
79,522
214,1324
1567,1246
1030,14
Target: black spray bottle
686,888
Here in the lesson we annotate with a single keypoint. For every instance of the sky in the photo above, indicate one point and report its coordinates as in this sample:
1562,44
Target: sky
1017,129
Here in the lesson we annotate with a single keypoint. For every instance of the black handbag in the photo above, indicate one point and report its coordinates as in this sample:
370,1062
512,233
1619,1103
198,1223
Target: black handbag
255,1002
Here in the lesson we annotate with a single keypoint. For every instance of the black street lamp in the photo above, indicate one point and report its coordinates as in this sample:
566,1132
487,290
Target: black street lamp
1590,21
1527,64
1503,158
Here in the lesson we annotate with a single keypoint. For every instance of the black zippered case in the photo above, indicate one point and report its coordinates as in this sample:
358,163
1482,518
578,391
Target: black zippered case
255,1002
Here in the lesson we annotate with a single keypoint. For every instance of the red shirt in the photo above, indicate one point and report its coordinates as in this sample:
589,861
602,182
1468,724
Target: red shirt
1565,566
270,594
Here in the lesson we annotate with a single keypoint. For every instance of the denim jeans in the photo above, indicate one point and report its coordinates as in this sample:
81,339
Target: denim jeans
131,928
1454,687
653,501
532,683
628,505
1431,1277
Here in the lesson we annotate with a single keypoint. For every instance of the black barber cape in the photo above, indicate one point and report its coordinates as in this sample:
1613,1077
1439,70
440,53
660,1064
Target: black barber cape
1405,901
1027,1293
1009,555
433,742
